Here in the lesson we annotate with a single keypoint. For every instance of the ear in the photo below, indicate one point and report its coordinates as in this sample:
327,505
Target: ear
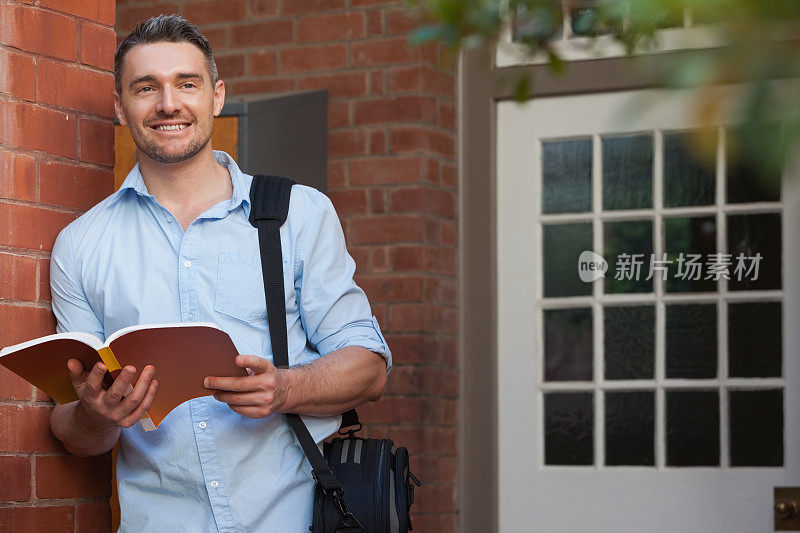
219,97
119,109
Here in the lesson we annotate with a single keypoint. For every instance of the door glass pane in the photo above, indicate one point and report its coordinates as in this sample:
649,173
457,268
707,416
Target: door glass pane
689,241
692,428
568,344
630,428
567,176
563,244
628,250
756,419
754,339
569,428
754,242
688,180
628,172
745,183
629,342
691,341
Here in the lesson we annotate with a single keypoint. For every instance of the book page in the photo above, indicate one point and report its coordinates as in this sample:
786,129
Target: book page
120,332
86,338
183,356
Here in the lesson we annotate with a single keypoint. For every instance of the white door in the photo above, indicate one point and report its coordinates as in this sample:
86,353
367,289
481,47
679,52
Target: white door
629,404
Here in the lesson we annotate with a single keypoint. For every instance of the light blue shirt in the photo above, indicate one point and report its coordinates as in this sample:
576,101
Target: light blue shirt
127,261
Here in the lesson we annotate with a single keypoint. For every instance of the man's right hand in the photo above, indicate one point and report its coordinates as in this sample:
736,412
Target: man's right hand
103,408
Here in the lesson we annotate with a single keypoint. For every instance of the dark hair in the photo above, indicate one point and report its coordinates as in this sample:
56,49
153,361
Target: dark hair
163,28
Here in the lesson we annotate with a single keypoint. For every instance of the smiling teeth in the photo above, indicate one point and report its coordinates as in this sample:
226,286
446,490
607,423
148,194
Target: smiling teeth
171,127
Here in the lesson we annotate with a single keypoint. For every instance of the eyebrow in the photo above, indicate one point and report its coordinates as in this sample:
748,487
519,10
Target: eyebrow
180,76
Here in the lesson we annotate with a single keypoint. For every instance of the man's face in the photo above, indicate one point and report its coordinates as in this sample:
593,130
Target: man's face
168,100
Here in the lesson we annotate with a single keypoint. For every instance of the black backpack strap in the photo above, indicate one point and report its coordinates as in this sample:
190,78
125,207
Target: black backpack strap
269,207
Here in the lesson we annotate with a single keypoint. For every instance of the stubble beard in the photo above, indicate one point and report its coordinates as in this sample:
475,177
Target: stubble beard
155,151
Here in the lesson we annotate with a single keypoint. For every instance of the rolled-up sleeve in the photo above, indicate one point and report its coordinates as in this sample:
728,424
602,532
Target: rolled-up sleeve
72,309
334,310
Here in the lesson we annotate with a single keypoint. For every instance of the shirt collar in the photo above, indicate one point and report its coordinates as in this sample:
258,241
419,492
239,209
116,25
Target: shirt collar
241,191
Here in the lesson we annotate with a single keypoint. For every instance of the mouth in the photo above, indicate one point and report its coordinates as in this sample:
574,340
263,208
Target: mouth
171,127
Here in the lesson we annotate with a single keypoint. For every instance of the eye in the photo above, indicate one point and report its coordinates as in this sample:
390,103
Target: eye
188,85
145,89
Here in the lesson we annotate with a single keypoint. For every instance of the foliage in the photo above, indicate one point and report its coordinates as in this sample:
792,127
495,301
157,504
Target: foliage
760,45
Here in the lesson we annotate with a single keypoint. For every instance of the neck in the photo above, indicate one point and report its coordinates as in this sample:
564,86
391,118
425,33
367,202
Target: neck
189,187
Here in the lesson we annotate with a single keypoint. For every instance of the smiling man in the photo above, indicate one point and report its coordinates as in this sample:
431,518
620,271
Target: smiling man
174,244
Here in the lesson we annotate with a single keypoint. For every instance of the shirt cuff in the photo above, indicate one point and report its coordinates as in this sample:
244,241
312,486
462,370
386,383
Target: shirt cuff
366,334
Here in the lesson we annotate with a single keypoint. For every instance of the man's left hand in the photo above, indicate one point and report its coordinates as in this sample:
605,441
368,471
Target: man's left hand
257,395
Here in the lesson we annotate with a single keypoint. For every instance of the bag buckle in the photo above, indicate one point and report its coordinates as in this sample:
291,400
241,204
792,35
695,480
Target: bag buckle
349,523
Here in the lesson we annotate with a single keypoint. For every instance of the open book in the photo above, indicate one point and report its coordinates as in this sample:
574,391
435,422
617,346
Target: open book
183,355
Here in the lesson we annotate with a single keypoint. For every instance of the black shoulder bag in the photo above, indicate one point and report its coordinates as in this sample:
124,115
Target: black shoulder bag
363,485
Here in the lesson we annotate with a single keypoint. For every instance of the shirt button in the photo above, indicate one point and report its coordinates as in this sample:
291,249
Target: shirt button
190,316
201,425
187,263
214,484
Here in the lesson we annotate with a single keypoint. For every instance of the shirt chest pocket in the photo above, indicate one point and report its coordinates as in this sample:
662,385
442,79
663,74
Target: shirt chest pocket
240,287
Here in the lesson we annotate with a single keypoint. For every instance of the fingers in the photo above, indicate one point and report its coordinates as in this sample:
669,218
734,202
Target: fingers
94,381
251,411
258,364
75,368
134,397
244,398
143,406
120,388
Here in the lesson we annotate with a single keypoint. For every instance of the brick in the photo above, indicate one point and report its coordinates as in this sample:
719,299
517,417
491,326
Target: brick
385,52
95,516
65,85
13,387
367,3
262,33
422,318
51,519
73,186
29,126
377,201
16,228
450,412
447,116
107,12
263,63
379,262
377,82
437,469
26,428
129,16
261,8
300,7
375,22
422,140
17,277
392,409
431,259
387,170
449,233
350,202
98,44
406,379
423,200
19,176
310,58
15,479
347,143
213,11
440,382
344,85
19,75
422,79
217,37
44,280
435,498
337,174
67,476
381,289
274,85
387,229
377,142
409,348
230,66
97,141
401,21
338,114
399,109
335,27
449,176
55,33
88,9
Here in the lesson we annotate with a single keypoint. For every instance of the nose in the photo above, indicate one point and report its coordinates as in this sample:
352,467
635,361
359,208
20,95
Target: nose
168,103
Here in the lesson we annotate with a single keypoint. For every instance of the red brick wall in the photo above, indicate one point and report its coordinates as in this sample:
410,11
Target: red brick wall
56,154
392,178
